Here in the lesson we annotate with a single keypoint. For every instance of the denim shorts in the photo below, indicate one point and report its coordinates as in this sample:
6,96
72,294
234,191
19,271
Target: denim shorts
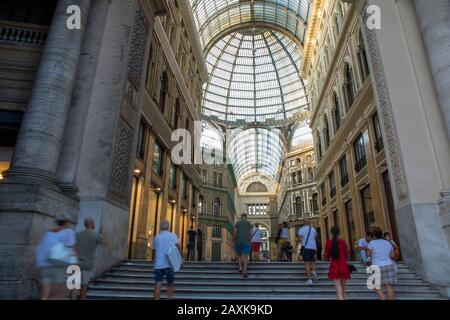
243,248
160,273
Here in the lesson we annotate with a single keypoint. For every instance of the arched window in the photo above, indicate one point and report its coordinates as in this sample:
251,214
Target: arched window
349,85
362,58
217,207
336,112
326,132
201,205
164,91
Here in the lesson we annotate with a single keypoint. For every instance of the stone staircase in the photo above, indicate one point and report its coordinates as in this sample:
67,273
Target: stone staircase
134,279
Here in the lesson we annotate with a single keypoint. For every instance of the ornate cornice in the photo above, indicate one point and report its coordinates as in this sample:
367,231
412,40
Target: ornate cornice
308,48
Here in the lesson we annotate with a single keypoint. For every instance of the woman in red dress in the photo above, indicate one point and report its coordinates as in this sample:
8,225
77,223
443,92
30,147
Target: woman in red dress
337,250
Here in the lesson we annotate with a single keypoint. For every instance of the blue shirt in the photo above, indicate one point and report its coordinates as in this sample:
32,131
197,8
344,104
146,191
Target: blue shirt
303,232
66,236
161,244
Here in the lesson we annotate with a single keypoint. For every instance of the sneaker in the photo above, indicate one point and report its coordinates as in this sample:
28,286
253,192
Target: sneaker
309,282
314,275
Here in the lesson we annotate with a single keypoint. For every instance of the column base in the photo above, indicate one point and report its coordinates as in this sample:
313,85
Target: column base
444,210
423,243
31,176
26,212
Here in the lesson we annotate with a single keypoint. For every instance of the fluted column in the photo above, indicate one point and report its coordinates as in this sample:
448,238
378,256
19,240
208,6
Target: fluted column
39,142
434,21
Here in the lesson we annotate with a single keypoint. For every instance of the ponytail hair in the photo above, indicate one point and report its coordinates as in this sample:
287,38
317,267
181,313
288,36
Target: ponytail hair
334,243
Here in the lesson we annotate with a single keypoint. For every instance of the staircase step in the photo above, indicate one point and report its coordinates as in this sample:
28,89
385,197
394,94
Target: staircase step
255,283
134,279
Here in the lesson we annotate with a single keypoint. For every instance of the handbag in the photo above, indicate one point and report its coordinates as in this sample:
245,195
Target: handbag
61,255
174,257
351,268
307,238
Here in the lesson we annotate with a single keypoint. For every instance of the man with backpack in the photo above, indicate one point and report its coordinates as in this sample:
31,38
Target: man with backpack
162,244
307,235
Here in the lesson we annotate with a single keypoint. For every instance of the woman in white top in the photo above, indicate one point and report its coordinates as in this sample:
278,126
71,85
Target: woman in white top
381,253
53,277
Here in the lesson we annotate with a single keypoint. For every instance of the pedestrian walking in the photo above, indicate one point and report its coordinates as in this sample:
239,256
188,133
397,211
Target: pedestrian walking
336,250
54,254
381,254
88,241
242,238
284,240
256,242
362,245
307,235
191,244
162,243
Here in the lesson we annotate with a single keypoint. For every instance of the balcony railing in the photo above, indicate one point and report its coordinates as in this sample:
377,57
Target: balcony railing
361,163
20,33
332,193
379,144
344,180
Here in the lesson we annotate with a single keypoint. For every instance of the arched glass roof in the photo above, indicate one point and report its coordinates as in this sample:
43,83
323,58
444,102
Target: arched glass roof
302,135
216,18
257,150
253,52
210,138
254,78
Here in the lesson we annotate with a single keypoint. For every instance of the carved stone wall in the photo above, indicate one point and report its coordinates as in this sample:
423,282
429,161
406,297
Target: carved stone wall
118,183
385,106
137,46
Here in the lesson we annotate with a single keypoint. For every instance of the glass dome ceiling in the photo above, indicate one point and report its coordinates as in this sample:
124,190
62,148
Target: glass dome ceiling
216,18
257,150
254,78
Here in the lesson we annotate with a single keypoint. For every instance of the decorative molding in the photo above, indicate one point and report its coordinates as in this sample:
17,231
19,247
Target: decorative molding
384,106
137,46
118,184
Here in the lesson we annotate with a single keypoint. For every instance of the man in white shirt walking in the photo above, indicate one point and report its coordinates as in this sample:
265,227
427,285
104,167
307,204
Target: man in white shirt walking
307,235
161,244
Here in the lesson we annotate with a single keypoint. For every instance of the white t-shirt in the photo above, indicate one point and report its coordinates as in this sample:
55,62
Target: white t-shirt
381,252
66,236
363,243
303,232
284,234
256,234
162,242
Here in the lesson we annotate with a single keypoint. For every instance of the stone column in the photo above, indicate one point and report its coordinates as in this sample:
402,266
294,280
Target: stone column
82,93
39,142
434,24
405,93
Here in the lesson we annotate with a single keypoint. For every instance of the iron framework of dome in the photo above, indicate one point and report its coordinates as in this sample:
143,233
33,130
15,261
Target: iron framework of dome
253,51
254,79
217,18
